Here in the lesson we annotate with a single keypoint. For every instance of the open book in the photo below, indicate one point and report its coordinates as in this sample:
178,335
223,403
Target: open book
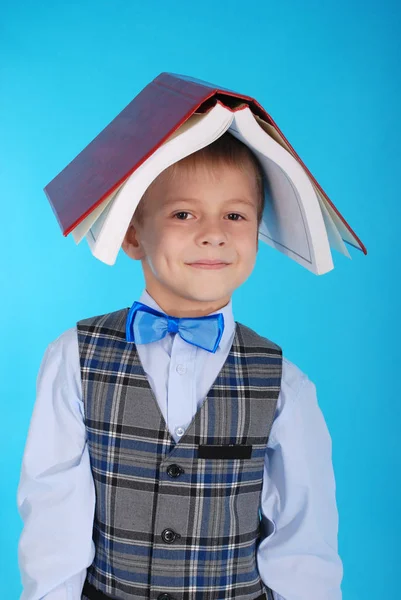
96,194
296,220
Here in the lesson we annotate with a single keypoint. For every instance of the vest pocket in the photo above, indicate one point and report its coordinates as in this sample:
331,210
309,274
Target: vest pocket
226,451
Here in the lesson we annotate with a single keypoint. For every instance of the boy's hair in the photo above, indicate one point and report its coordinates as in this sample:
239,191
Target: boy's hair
226,150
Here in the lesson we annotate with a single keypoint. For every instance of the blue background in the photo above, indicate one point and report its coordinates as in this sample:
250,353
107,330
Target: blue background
328,73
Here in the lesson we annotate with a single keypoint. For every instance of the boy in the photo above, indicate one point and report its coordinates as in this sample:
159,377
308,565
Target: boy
194,466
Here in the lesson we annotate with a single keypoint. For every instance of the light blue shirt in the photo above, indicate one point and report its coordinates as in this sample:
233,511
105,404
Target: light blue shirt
298,557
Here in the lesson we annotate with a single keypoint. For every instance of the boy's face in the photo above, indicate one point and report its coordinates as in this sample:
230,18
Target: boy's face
196,215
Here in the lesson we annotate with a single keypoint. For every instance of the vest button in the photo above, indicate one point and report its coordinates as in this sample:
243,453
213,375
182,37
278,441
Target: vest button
164,597
174,471
169,536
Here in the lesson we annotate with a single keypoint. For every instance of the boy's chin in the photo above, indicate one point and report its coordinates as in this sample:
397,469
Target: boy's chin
211,296
212,291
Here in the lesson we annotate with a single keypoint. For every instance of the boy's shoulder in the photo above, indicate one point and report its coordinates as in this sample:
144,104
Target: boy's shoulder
293,378
115,319
65,347
252,338
65,340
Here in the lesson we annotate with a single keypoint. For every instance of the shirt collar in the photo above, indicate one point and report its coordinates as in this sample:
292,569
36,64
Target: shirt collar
227,311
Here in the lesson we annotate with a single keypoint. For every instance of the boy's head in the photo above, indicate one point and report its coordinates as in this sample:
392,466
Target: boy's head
207,206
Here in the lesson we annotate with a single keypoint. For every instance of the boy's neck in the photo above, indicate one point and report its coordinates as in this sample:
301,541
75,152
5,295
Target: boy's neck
183,308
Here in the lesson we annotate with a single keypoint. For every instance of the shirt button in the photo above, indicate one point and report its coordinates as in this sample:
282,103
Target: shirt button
174,470
169,536
179,431
181,369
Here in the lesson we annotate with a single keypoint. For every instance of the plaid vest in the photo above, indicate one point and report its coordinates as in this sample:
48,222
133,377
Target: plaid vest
175,521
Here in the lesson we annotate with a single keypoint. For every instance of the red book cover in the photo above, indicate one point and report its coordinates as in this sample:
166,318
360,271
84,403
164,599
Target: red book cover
132,136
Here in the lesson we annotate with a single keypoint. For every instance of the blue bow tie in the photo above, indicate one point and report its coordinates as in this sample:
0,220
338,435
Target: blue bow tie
144,325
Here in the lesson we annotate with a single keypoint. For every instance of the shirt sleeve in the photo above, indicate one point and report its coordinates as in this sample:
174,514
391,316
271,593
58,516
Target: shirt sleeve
298,555
56,494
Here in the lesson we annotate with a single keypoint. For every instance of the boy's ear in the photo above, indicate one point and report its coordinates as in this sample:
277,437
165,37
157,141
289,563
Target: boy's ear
131,245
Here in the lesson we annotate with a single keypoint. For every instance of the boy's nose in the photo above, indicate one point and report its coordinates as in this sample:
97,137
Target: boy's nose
214,240
212,235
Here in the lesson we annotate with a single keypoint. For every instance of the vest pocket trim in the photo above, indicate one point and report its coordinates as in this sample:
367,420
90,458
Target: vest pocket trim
225,451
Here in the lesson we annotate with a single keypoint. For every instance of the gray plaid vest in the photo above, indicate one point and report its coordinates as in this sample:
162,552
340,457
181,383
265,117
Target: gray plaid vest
175,521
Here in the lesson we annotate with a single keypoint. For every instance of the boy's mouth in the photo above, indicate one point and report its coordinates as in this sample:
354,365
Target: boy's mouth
208,264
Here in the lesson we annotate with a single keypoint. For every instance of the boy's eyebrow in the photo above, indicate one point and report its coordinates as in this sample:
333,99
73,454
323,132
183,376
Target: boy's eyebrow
197,201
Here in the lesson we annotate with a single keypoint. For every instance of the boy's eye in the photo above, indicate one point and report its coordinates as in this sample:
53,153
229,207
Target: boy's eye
181,213
187,213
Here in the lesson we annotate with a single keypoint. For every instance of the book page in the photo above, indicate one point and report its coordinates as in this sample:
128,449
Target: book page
79,232
292,220
335,219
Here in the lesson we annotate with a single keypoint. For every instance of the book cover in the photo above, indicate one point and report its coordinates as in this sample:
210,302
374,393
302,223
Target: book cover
134,134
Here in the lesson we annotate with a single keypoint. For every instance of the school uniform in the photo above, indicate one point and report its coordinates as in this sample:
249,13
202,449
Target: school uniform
166,472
